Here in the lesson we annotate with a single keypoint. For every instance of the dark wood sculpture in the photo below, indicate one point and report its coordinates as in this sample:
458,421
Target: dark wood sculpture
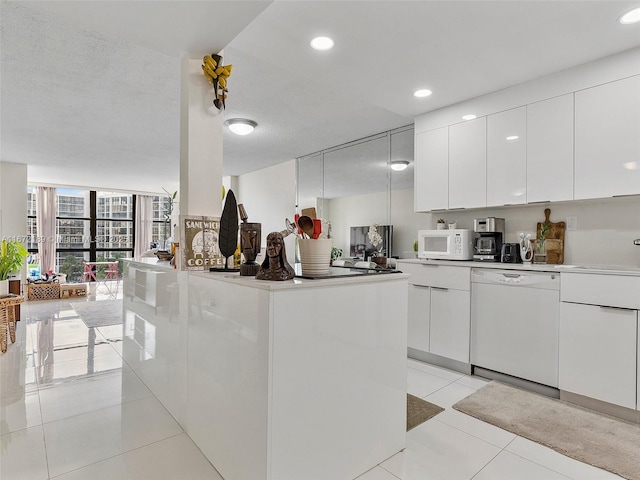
228,235
250,242
275,265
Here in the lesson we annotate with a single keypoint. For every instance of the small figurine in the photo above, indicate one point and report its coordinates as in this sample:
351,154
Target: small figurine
275,265
526,252
249,244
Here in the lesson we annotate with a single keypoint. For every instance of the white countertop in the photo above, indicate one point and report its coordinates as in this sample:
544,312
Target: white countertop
235,278
598,269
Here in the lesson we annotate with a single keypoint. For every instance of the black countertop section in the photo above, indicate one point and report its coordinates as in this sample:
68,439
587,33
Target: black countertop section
341,272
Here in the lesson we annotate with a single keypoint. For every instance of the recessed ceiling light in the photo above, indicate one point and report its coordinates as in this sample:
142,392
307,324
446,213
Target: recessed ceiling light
512,137
422,93
632,16
322,43
399,165
468,117
241,126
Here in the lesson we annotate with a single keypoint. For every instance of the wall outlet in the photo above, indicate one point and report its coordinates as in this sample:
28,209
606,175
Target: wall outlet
572,222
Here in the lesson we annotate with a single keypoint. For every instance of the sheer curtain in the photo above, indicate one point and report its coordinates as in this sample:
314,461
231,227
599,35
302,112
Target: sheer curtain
143,224
46,227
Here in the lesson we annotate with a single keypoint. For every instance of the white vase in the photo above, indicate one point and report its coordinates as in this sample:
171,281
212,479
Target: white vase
4,288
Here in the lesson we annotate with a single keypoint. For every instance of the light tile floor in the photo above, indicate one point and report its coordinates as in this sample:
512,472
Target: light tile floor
71,415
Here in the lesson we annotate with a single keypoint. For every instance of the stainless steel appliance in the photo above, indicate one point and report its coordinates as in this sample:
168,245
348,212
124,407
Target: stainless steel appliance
488,243
510,253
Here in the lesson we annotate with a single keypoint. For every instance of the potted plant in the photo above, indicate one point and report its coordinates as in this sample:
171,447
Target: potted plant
336,253
12,255
540,254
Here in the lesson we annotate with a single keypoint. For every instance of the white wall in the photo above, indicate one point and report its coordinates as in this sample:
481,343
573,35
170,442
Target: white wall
13,203
605,233
13,199
269,196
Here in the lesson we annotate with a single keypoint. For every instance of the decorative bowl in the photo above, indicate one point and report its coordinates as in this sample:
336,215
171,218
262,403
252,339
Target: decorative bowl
163,255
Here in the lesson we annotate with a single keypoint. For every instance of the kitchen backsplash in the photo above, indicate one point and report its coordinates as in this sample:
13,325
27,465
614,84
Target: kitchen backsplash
605,228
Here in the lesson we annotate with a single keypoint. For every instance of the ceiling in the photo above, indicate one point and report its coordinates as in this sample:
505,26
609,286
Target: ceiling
90,89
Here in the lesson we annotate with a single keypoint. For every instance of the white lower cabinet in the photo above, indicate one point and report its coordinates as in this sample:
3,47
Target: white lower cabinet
439,309
450,323
598,352
419,317
599,336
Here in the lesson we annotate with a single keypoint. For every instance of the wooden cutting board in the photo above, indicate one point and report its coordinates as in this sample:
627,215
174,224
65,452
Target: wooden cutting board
555,247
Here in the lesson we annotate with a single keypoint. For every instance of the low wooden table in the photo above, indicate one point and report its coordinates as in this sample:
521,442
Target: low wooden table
8,318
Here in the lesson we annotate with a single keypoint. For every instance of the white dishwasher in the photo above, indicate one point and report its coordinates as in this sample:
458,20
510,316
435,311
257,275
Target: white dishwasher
515,323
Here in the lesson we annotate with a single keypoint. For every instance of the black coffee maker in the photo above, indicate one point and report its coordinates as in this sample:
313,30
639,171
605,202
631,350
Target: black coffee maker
489,236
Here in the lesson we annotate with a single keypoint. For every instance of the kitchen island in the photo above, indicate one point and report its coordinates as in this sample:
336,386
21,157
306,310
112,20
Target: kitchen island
286,380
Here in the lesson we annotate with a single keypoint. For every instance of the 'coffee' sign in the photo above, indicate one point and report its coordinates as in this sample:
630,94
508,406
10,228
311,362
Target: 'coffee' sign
199,243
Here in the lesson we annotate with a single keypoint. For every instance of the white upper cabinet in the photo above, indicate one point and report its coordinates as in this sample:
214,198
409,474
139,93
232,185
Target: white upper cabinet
607,139
431,177
550,150
468,164
507,157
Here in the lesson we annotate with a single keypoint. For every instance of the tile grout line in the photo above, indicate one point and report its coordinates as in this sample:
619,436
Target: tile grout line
495,456
545,466
118,454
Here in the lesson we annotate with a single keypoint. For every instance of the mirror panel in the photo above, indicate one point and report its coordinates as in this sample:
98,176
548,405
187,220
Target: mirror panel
310,190
352,185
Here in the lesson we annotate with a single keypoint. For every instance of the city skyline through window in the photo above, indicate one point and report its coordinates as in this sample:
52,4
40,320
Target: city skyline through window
92,226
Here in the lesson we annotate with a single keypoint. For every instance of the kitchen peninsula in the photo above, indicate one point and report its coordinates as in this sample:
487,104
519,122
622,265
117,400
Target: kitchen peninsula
286,380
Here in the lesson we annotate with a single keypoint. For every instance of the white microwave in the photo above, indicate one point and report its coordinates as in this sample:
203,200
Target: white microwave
454,244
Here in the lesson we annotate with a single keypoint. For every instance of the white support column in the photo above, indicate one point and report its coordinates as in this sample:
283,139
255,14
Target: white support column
200,143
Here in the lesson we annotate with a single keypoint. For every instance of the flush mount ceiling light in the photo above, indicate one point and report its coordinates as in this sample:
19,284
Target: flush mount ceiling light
468,117
241,126
399,165
632,16
512,137
322,43
422,93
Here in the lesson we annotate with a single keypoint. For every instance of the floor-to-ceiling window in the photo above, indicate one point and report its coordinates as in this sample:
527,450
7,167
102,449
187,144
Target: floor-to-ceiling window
161,221
91,226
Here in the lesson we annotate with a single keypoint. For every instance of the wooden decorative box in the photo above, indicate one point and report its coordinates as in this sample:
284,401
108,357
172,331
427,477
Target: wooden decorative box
73,290
43,291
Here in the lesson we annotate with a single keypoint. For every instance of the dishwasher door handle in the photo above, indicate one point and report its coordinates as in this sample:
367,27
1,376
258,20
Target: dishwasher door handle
606,307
